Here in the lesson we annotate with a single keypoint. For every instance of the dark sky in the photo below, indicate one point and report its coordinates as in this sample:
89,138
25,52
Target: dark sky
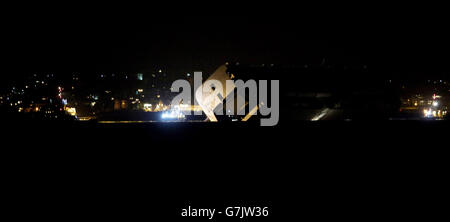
56,42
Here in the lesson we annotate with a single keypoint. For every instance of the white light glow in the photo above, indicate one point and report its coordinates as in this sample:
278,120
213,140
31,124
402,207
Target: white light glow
172,114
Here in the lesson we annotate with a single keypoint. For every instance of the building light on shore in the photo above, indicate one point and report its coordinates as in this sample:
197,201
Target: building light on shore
71,111
147,107
427,112
140,76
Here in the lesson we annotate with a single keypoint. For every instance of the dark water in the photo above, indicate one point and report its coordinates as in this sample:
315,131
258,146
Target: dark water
323,170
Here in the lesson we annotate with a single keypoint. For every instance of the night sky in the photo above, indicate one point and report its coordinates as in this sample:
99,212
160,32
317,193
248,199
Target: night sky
55,42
